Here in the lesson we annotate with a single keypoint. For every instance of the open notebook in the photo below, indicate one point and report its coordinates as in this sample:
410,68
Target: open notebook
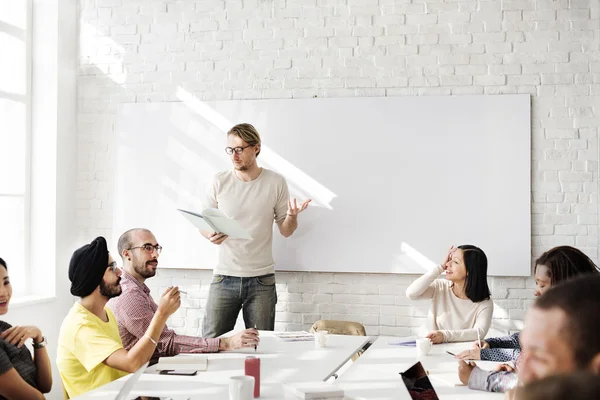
417,382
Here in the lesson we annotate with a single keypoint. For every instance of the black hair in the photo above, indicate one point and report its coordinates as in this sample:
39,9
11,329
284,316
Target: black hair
579,299
3,263
565,262
476,285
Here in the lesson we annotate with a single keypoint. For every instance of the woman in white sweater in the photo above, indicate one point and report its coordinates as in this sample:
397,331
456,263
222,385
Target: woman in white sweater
461,305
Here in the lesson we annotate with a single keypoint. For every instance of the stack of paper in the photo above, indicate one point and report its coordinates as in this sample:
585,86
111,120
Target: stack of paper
312,390
187,362
301,336
408,343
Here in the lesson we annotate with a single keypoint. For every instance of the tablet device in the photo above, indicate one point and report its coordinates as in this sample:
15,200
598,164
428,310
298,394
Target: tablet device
417,382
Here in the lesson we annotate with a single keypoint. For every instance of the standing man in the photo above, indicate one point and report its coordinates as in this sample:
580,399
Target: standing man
135,308
244,277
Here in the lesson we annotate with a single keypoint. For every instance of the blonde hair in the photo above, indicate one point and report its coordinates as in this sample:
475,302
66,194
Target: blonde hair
247,133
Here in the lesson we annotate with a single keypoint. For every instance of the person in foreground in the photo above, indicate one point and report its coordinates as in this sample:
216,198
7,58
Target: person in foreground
244,277
135,308
577,386
90,352
555,266
461,308
561,331
21,377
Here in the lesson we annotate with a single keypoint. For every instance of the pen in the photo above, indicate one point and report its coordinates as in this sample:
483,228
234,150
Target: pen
452,354
255,346
183,291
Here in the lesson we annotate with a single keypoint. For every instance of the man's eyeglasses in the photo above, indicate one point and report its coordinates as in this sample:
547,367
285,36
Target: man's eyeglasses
148,248
236,150
113,266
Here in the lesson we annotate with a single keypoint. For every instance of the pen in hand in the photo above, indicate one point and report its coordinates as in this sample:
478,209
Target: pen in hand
256,345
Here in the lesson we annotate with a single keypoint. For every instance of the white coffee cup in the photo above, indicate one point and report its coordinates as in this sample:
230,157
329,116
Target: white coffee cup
241,387
423,346
321,339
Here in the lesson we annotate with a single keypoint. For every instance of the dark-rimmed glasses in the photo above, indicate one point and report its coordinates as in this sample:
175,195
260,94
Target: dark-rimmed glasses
236,150
113,266
148,248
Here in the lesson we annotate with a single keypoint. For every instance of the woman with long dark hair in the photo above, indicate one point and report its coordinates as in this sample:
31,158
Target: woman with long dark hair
461,308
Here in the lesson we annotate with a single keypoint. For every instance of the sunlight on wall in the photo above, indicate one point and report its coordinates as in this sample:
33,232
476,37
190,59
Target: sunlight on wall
297,179
90,49
409,256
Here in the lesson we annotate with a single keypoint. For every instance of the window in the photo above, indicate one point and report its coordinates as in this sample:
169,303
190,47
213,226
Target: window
15,94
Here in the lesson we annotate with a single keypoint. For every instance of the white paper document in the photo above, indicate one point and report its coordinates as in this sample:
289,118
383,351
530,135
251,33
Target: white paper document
215,220
195,362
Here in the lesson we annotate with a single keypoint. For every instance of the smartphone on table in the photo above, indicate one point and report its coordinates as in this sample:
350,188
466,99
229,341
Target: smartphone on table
183,372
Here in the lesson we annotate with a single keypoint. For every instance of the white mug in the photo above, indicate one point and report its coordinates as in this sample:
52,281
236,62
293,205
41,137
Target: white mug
241,387
321,339
423,346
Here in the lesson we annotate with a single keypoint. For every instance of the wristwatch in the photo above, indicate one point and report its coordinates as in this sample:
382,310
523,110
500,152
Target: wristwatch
41,344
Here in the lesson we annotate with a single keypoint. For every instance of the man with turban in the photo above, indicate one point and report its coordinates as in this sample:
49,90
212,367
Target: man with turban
90,353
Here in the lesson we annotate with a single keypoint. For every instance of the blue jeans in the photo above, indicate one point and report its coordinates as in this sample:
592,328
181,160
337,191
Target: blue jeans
256,296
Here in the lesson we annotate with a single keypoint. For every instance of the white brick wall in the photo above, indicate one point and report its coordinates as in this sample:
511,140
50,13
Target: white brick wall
142,50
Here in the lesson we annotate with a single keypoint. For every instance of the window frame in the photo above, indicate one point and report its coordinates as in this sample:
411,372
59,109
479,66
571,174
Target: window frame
26,195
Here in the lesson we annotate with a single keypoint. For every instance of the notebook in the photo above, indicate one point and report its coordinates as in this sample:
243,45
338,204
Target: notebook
417,382
185,362
126,388
312,390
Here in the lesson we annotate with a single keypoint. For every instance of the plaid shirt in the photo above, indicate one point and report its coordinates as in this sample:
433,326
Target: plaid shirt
135,308
504,348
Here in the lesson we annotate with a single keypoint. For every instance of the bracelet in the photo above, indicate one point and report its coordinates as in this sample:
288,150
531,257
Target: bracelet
41,344
152,340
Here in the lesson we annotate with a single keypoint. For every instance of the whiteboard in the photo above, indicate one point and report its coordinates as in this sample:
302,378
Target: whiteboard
394,181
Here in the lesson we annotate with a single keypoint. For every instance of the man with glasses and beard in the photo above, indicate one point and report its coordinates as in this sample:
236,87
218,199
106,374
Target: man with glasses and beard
90,352
135,308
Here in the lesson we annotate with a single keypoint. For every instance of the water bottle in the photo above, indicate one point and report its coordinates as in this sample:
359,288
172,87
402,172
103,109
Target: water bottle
252,368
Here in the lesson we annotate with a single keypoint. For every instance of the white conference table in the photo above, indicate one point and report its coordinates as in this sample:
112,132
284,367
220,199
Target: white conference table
280,362
375,375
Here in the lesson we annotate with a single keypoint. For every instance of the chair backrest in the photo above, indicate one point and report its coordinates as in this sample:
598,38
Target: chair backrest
335,327
339,327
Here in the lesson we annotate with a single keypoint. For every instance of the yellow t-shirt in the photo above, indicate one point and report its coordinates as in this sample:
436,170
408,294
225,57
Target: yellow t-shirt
85,341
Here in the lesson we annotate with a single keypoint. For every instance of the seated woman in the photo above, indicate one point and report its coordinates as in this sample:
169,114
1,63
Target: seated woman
461,308
557,265
21,377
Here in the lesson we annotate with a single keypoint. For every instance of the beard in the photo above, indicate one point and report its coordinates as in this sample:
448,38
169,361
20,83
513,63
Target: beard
242,165
111,290
144,271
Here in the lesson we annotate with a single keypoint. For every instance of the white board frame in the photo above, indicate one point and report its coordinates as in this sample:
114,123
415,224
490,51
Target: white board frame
367,163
